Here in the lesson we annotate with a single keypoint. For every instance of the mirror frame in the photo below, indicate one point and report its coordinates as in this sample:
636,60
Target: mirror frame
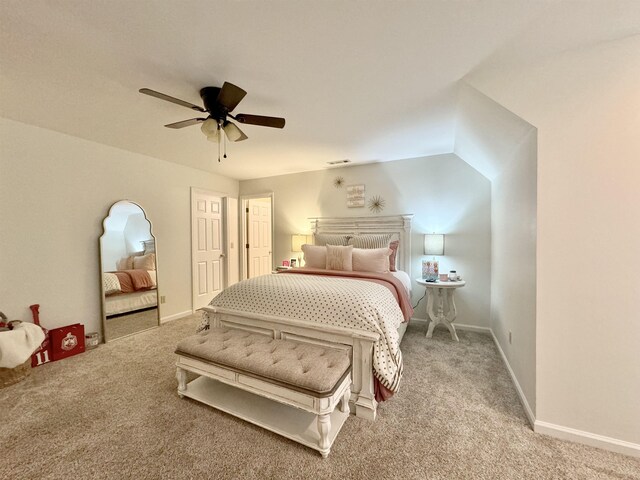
105,338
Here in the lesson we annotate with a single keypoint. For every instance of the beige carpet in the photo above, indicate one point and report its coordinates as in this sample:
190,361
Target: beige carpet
124,325
114,413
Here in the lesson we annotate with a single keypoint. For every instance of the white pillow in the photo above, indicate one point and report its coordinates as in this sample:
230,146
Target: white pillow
339,258
371,259
110,283
314,256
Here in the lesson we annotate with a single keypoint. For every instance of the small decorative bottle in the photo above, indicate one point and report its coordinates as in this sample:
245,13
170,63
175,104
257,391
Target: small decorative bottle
453,276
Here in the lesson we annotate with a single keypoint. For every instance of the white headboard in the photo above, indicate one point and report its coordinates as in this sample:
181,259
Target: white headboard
400,225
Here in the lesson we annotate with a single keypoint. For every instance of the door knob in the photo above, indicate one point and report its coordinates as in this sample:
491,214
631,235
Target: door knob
222,255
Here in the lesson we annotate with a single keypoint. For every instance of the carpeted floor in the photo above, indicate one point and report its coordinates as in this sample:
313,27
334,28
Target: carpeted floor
124,325
114,413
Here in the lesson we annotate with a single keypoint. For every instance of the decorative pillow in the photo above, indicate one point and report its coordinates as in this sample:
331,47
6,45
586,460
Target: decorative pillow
371,240
314,256
145,262
371,259
125,263
339,257
322,239
110,283
394,252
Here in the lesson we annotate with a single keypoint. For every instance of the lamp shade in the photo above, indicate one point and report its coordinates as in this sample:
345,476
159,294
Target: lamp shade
209,127
434,244
298,240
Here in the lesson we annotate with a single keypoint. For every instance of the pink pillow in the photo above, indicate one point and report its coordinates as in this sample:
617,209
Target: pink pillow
371,259
314,256
392,258
125,263
339,258
145,262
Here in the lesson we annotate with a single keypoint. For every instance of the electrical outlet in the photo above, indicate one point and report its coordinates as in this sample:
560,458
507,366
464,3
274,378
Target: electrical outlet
509,337
163,299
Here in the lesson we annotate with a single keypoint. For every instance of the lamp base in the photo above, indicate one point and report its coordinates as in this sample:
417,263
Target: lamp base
430,270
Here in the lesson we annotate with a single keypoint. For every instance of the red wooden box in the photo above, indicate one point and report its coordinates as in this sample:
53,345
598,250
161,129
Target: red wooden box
66,341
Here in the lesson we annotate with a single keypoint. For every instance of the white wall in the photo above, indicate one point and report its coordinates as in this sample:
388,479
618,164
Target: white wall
55,191
113,249
136,230
445,194
586,107
503,147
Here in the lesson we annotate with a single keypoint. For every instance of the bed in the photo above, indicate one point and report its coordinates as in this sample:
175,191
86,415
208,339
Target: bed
128,291
363,340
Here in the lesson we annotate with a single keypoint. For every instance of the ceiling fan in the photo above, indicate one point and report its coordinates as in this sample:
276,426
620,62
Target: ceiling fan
218,103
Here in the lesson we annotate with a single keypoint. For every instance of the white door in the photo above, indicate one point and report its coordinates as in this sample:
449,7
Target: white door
207,247
259,235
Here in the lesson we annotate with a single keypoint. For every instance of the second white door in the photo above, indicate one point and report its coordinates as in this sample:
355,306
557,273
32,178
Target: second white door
259,252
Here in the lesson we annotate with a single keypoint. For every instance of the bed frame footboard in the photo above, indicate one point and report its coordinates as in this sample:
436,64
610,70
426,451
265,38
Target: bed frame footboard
359,342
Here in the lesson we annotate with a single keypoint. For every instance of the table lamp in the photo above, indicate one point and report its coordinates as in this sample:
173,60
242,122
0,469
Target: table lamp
297,241
433,245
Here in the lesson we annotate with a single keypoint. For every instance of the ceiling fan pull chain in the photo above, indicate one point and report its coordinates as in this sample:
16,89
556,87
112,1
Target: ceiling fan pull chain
225,146
218,134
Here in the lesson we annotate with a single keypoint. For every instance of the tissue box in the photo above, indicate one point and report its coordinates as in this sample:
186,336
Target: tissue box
66,341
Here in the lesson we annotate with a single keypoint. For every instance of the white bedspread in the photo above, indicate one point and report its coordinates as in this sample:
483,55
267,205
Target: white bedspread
342,302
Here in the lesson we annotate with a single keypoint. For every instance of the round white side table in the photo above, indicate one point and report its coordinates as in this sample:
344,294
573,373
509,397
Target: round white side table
441,296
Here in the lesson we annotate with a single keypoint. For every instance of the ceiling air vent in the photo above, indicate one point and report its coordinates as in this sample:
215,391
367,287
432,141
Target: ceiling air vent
339,162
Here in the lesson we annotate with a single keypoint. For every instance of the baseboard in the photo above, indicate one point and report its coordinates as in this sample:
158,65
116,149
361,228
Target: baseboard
587,438
545,428
523,400
473,328
459,326
176,316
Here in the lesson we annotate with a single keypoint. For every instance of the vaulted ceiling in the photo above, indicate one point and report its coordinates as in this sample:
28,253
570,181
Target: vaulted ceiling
363,80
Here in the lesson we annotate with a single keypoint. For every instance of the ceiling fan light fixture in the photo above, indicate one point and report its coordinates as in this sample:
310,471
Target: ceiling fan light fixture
215,137
210,127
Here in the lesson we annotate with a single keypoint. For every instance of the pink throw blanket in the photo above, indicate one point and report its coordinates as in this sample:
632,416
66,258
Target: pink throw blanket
133,280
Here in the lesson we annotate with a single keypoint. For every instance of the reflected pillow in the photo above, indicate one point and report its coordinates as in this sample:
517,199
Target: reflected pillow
125,263
371,259
339,257
110,283
145,262
314,256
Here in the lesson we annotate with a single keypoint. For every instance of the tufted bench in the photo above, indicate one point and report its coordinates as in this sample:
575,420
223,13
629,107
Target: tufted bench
259,378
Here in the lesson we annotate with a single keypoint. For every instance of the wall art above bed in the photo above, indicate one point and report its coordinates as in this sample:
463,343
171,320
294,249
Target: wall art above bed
355,196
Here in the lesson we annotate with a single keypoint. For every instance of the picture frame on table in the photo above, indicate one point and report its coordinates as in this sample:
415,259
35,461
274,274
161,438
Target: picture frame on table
293,262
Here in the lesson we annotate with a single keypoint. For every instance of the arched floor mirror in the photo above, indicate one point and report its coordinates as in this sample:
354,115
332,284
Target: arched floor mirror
129,272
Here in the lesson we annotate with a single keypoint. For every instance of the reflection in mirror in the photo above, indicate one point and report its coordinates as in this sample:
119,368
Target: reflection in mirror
129,279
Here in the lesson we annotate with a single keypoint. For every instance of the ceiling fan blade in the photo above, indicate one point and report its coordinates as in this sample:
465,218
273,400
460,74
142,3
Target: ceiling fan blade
230,96
275,122
234,134
185,123
168,98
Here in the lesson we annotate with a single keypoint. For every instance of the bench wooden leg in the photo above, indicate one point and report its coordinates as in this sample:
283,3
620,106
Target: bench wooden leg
344,401
324,426
181,375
